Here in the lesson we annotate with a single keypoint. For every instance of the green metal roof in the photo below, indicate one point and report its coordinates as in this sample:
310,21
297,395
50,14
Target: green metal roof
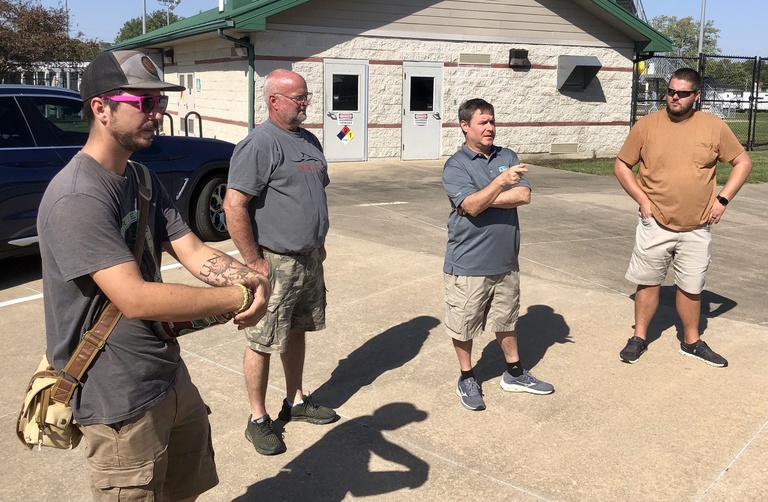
252,16
650,40
248,17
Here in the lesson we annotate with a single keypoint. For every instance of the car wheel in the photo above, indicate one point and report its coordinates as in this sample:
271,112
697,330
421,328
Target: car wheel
210,223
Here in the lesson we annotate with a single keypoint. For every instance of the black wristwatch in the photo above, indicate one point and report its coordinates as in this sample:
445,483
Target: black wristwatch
722,200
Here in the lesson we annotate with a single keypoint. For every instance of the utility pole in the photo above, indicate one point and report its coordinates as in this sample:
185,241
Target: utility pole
66,10
701,26
144,18
169,6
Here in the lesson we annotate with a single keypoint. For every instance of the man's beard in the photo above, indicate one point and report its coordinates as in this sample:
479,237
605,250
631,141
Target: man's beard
131,141
684,110
295,120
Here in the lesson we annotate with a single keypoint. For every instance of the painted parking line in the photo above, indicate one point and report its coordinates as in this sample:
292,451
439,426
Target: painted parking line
39,296
381,204
21,300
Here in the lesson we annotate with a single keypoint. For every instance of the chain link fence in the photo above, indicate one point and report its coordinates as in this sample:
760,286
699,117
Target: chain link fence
733,87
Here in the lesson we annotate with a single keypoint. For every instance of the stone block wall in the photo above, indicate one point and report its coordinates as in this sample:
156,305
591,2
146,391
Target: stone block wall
531,113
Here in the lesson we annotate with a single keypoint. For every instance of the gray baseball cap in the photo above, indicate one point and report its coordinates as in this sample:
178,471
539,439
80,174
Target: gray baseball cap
129,70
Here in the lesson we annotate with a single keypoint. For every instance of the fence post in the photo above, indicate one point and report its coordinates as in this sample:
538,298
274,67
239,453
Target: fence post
752,119
702,64
635,78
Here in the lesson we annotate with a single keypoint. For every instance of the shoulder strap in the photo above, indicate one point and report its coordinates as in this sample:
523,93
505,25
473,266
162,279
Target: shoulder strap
95,338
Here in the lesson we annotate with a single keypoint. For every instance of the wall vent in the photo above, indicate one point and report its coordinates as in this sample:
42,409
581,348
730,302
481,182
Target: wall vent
475,59
564,148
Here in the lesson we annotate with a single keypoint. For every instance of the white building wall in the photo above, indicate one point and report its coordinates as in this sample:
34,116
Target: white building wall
530,111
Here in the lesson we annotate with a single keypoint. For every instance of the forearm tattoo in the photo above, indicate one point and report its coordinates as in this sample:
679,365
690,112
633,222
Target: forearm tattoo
223,270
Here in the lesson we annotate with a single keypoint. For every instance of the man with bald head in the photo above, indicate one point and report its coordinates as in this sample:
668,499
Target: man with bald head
277,216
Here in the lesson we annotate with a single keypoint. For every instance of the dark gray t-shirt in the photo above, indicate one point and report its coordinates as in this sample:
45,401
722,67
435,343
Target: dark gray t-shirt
486,244
86,223
286,172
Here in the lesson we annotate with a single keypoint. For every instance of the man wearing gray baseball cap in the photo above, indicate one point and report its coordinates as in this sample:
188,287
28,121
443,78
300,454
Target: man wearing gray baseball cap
125,70
145,423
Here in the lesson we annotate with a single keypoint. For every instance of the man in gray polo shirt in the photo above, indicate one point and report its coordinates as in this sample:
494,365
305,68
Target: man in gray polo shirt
485,184
277,216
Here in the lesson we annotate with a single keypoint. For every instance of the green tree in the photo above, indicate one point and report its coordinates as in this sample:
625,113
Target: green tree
32,36
733,73
685,34
132,28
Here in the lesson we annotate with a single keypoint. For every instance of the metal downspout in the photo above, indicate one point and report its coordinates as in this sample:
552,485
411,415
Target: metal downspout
251,91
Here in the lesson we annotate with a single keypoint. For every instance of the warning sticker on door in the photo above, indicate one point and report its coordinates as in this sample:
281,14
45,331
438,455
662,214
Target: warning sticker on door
345,119
345,135
420,119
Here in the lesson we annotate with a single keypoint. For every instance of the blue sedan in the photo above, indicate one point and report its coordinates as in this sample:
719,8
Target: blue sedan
42,128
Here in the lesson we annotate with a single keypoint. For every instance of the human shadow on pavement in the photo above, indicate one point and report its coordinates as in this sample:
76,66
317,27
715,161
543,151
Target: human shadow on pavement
338,464
712,305
386,351
537,330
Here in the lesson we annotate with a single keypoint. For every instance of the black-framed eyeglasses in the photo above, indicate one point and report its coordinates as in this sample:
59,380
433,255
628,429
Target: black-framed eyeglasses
304,99
680,94
147,104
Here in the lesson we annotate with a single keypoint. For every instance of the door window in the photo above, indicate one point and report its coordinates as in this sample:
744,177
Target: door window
422,94
345,93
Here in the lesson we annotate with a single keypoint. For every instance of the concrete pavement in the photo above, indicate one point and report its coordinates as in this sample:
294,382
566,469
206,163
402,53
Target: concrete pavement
668,428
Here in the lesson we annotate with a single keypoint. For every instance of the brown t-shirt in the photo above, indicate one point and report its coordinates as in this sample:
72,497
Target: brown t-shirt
677,164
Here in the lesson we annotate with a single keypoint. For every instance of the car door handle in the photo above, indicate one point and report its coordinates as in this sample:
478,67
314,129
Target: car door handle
436,115
332,115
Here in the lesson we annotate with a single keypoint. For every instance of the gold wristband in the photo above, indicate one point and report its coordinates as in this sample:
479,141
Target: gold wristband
246,299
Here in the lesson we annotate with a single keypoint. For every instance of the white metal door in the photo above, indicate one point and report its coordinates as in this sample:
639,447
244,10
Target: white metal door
345,124
422,108
186,102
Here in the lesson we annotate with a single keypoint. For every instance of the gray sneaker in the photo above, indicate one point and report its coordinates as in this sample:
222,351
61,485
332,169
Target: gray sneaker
525,383
471,394
264,438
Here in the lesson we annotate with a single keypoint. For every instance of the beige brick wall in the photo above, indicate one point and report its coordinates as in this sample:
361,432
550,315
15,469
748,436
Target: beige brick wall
519,97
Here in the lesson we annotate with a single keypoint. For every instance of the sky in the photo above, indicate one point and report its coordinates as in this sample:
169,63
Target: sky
102,19
741,22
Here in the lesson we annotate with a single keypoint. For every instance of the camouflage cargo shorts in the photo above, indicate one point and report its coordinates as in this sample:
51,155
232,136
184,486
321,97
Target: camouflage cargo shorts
297,302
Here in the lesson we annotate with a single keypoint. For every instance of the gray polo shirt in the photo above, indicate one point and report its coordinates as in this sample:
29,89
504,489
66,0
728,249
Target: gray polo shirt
286,173
486,244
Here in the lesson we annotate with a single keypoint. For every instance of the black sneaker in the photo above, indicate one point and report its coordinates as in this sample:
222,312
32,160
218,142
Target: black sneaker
307,411
700,350
634,349
264,438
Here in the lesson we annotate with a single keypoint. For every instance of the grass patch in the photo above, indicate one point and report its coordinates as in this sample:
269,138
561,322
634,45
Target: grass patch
604,167
739,124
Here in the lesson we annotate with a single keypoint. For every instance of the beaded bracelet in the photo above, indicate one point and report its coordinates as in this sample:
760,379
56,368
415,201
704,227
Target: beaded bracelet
247,299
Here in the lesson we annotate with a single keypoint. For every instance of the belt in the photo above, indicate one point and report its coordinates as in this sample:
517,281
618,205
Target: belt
288,253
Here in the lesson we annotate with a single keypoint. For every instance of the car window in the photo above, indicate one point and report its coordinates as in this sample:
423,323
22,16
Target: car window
14,132
58,121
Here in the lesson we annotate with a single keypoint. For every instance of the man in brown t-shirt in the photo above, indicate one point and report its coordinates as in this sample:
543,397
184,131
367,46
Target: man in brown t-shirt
678,149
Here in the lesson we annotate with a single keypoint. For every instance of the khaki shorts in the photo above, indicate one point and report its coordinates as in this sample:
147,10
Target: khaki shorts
297,302
165,453
482,303
657,247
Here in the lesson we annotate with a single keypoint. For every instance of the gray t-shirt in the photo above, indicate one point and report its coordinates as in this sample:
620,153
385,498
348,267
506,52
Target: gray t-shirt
286,172
86,223
486,244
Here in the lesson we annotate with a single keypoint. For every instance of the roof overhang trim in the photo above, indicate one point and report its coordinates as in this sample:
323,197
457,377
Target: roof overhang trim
251,17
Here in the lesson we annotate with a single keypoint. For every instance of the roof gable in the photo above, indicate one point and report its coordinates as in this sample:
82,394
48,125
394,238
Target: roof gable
245,15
